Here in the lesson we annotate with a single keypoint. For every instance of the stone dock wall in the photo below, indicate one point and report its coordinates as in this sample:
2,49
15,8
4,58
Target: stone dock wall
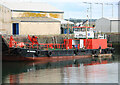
114,38
41,38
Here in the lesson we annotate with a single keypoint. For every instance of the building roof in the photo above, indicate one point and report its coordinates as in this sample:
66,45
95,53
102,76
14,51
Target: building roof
112,19
34,19
64,21
32,7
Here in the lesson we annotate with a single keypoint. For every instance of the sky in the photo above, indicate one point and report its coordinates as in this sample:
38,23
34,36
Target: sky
78,10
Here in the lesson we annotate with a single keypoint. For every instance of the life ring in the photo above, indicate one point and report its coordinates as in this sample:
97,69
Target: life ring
49,53
76,52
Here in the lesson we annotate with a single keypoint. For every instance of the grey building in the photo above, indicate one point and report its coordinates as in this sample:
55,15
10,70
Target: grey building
107,25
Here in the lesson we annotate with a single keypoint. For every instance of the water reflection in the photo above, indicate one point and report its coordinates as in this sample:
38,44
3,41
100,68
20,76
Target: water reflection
71,71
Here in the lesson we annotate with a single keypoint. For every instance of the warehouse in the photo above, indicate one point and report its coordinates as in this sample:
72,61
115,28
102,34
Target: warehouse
35,26
107,25
5,19
34,18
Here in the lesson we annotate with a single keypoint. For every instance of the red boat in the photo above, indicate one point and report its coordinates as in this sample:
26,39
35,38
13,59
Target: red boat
70,49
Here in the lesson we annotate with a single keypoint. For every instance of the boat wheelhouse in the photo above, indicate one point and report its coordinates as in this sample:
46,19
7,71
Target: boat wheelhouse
80,33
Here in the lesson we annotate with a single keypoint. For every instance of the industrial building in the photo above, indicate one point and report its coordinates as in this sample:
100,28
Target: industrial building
107,25
33,18
35,26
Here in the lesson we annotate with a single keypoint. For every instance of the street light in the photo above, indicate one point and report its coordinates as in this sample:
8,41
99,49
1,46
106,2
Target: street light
102,7
112,8
90,8
118,4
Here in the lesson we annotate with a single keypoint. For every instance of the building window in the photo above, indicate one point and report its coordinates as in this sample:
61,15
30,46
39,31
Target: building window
15,28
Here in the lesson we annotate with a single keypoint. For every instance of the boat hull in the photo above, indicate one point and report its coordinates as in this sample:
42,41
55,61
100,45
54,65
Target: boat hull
47,59
20,54
24,54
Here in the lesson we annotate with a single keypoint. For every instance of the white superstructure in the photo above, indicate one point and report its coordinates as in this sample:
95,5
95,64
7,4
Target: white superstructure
80,32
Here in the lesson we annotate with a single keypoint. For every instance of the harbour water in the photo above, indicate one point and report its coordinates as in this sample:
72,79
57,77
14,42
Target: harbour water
70,71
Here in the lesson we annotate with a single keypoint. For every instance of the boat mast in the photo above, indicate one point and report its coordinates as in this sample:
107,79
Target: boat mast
68,32
86,35
68,28
87,23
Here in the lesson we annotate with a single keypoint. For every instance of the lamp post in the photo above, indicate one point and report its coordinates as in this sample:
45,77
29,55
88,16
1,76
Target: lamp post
118,4
90,8
102,7
112,8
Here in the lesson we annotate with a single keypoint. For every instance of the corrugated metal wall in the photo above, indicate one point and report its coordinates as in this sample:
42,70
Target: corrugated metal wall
103,25
114,25
107,26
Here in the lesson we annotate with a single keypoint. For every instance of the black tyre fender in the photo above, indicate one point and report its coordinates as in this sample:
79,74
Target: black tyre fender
76,52
112,51
105,51
49,53
37,53
82,50
93,51
19,51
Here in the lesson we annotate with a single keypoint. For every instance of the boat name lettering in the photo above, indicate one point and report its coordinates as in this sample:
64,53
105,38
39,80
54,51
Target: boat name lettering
31,51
